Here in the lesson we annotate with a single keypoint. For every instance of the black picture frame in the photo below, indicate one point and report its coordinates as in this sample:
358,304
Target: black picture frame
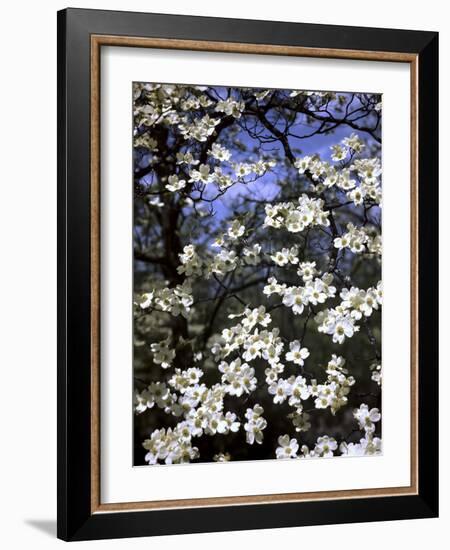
75,518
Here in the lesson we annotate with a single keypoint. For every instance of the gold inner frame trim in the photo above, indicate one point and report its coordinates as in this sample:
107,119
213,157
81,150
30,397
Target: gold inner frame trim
97,41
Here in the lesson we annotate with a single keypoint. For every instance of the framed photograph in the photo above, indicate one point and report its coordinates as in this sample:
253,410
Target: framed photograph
248,295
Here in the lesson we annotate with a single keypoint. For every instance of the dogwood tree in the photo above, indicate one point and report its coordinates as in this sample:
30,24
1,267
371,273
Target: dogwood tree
257,260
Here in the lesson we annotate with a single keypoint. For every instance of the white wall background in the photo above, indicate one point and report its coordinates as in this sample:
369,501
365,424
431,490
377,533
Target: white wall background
28,271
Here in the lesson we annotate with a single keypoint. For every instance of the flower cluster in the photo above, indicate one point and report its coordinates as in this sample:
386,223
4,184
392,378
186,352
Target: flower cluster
237,377
285,256
315,291
224,262
157,393
339,322
170,446
191,263
162,353
206,173
230,107
376,373
176,300
200,129
294,388
246,335
357,240
324,448
252,254
333,393
362,302
181,380
359,179
219,152
296,218
369,444
288,448
255,425
175,183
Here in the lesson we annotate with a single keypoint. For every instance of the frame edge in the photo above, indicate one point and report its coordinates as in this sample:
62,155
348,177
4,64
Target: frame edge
75,522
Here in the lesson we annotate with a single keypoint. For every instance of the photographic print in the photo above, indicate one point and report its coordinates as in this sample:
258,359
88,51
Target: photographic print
257,274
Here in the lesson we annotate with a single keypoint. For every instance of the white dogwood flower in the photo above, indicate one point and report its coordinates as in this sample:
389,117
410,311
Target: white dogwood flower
287,447
296,353
366,417
175,184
